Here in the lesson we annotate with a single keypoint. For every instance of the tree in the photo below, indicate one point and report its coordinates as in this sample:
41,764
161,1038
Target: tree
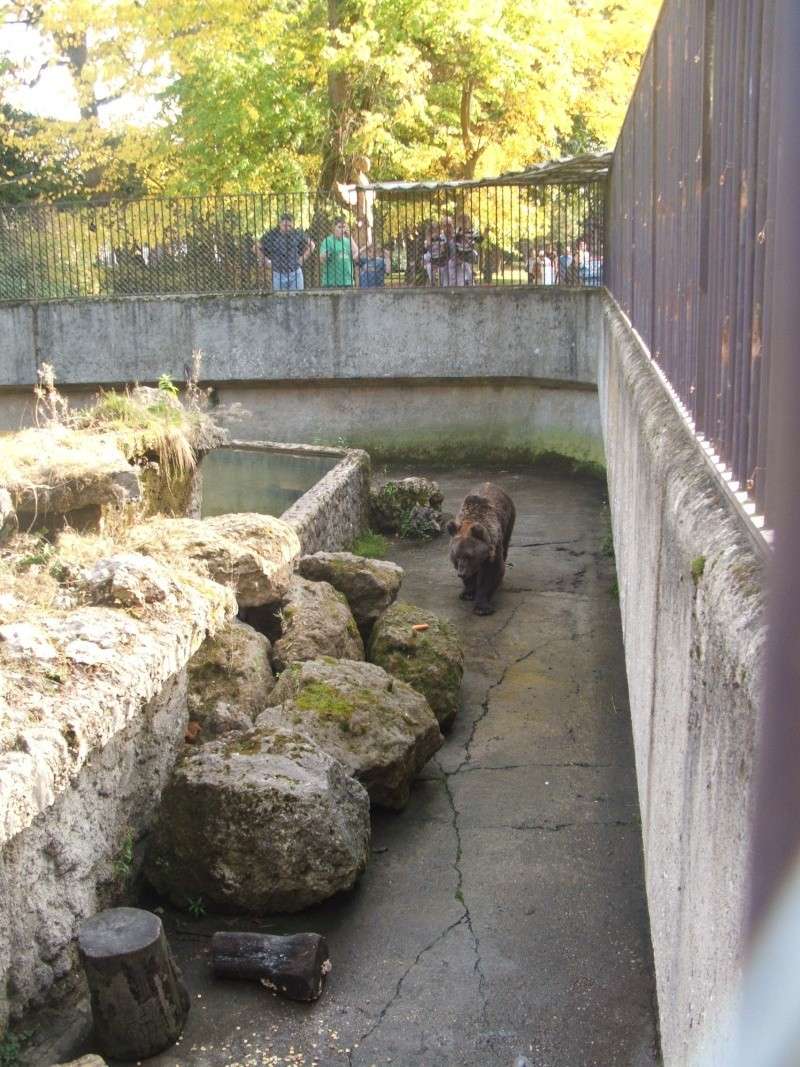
284,94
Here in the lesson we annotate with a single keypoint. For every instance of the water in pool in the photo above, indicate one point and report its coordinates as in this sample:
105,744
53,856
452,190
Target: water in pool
266,482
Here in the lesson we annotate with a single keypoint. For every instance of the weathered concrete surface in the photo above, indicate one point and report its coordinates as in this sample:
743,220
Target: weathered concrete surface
76,857
516,367
503,911
300,336
691,593
443,420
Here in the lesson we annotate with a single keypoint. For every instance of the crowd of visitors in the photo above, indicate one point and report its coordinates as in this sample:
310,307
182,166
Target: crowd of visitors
563,265
443,253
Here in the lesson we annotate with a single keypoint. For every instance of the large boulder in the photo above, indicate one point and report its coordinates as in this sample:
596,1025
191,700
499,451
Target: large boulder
230,678
370,585
254,554
424,651
380,728
316,622
392,504
259,822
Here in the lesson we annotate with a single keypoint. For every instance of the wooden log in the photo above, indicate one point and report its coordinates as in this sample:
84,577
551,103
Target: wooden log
294,966
139,1002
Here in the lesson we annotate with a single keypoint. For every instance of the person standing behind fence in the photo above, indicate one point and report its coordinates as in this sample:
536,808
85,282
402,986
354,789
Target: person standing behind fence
437,253
285,249
373,268
336,254
464,254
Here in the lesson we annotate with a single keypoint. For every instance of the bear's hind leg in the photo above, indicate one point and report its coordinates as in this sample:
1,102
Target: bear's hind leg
507,537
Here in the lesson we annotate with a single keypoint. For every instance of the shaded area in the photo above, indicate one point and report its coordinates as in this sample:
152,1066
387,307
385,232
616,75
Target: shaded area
503,911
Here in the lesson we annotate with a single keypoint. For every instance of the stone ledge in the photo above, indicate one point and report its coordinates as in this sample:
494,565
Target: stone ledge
98,700
334,511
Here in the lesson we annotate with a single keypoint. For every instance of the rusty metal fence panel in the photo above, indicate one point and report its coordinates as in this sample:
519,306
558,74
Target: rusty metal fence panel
546,233
690,220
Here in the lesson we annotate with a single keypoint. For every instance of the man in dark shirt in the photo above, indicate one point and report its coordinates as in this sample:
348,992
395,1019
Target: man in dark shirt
285,249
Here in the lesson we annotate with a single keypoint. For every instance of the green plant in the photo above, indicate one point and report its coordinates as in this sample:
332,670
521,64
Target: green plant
370,545
12,1045
607,545
59,571
195,907
38,557
166,385
417,527
698,568
614,590
123,862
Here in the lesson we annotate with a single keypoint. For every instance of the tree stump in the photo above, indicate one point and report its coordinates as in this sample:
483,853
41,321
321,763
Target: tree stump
139,1002
294,966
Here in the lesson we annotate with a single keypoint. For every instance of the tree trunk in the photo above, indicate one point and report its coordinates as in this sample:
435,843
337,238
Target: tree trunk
472,152
293,966
139,1003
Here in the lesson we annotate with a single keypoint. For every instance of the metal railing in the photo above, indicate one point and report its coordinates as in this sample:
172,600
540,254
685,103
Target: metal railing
692,222
411,235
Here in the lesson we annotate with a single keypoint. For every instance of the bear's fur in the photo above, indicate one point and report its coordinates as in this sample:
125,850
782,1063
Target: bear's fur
479,538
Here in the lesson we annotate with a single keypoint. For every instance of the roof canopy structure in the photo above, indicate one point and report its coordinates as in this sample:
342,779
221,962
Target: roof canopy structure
585,168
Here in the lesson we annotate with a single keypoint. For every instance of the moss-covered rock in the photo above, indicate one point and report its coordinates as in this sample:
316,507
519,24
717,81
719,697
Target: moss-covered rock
316,622
264,821
230,679
370,585
431,660
391,505
380,728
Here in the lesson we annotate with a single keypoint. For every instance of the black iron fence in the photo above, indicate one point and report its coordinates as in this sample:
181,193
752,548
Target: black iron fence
452,234
692,220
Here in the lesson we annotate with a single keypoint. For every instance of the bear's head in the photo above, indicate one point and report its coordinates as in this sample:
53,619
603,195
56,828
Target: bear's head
470,547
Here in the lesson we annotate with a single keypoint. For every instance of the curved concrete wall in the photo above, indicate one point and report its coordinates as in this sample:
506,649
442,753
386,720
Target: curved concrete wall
427,373
340,334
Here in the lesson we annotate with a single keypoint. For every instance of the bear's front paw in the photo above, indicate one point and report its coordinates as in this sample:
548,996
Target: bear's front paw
483,609
466,594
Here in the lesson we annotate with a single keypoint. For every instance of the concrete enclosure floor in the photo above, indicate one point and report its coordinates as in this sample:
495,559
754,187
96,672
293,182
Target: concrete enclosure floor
503,912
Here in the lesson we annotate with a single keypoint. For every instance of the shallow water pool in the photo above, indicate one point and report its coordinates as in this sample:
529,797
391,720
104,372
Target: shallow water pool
239,479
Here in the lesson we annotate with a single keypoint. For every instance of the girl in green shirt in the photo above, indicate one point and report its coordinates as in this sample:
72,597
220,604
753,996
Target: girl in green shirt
336,255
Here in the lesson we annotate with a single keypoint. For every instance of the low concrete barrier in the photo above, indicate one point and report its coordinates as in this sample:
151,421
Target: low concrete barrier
391,333
691,595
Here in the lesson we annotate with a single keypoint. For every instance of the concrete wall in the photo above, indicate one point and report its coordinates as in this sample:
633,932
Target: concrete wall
691,595
431,374
432,333
422,419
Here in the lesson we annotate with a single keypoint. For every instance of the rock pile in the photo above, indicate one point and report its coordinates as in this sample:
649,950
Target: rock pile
274,816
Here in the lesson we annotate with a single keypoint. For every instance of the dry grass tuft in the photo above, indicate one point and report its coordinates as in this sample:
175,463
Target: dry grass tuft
150,426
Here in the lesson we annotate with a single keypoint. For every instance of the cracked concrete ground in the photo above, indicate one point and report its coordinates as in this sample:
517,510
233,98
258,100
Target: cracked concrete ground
503,912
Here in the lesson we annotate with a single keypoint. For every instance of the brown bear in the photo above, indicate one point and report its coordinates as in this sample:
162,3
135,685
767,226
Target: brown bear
480,536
